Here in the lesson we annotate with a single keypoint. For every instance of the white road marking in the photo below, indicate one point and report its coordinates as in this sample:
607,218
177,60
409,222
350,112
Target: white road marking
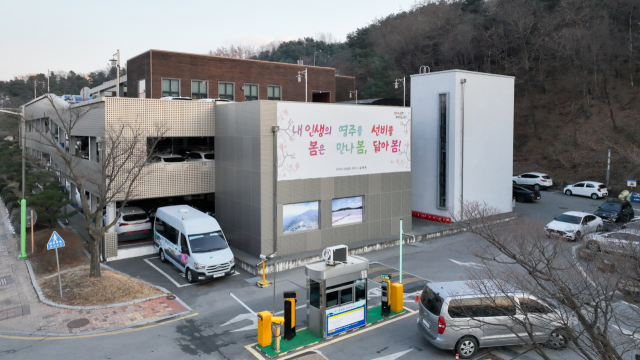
252,318
470,264
169,277
393,356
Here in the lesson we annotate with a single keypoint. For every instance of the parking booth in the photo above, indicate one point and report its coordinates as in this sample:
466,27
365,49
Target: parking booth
337,296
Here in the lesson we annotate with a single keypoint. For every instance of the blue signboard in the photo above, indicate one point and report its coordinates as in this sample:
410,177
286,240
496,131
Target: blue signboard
635,197
346,317
55,241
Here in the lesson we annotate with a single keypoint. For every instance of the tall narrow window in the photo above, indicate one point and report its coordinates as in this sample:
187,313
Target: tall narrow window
250,92
142,88
198,89
225,91
170,87
273,92
442,153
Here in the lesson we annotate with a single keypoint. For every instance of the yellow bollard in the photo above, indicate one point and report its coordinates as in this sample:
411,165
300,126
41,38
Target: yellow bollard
397,296
264,328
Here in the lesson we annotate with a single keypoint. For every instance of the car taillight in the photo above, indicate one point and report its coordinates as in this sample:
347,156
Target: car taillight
442,325
598,189
543,180
122,224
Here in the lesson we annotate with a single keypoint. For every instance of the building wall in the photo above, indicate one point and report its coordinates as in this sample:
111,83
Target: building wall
344,84
244,196
485,172
156,64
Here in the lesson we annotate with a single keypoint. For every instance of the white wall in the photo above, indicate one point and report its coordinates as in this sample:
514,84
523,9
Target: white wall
484,172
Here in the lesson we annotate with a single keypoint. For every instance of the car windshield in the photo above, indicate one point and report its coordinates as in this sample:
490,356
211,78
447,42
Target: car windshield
134,217
610,206
173,159
209,156
571,219
206,242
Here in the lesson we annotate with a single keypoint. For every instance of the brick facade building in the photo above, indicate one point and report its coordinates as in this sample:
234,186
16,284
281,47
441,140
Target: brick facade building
156,73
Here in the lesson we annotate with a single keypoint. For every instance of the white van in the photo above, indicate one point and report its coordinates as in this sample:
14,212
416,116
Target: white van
193,242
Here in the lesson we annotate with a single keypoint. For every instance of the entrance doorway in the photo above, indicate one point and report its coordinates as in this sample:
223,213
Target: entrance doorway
321,96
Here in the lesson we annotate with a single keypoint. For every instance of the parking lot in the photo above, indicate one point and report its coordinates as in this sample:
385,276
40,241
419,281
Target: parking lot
223,326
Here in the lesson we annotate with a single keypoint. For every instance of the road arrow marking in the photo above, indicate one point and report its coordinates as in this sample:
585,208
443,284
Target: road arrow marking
470,264
393,356
252,318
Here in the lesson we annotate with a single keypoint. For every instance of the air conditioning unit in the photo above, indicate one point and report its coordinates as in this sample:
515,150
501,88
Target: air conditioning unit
335,254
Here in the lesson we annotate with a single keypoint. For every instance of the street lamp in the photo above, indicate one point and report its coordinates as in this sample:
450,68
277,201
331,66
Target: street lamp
35,85
356,92
404,90
116,62
306,92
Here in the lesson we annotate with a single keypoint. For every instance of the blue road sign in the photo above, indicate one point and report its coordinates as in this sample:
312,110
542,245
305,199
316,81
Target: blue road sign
55,241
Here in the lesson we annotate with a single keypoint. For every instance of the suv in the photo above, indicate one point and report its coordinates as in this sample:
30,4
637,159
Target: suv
198,155
454,316
535,179
615,210
133,224
166,158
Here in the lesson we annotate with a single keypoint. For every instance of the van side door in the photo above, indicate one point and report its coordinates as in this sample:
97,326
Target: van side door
497,314
168,241
540,316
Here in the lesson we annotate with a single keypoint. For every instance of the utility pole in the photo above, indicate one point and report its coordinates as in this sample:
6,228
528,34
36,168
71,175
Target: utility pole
608,165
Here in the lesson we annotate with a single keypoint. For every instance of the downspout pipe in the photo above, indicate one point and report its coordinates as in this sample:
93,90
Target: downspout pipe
463,82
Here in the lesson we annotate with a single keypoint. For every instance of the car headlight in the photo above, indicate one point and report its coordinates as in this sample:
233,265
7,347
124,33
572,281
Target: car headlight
232,262
199,266
569,231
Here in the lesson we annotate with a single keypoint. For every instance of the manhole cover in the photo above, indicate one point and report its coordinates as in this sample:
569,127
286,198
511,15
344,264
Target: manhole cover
6,280
170,297
78,323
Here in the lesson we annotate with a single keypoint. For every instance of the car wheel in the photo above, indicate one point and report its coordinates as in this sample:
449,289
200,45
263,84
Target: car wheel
536,187
466,347
577,236
568,192
191,276
557,340
593,245
594,196
519,198
162,257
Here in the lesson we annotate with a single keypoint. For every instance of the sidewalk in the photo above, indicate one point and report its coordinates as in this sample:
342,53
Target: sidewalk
21,312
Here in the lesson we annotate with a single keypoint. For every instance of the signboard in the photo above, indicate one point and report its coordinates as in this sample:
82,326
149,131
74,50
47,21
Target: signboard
635,197
320,140
55,241
631,183
300,217
346,317
346,210
385,277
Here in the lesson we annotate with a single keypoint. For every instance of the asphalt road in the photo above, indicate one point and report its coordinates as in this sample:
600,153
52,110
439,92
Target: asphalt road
222,327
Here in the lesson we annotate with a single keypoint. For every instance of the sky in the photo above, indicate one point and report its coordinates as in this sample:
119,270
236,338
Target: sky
299,208
352,202
82,35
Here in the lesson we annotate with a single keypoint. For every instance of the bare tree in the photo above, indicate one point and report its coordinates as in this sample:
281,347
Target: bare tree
579,296
123,160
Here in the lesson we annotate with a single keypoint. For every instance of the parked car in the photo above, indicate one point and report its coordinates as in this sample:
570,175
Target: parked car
133,224
524,193
615,210
535,179
175,98
166,158
215,100
454,316
622,241
572,225
593,189
199,156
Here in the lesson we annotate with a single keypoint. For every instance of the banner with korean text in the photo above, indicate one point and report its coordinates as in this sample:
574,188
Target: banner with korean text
328,140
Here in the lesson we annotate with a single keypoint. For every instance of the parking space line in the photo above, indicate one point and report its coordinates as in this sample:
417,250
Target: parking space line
404,272
164,273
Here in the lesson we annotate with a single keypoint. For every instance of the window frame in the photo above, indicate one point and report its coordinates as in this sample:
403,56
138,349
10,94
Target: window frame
274,86
244,90
206,95
233,90
162,79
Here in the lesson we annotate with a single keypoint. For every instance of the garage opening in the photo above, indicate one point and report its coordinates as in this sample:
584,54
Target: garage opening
321,96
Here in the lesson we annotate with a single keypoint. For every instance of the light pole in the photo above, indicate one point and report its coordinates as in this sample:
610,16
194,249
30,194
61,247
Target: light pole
116,62
35,86
306,92
404,90
356,92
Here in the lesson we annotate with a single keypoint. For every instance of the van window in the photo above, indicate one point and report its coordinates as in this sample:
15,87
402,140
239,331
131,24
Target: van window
207,242
167,231
431,301
134,217
481,307
314,294
531,306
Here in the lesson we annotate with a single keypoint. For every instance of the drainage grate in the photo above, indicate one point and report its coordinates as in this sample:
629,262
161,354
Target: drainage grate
78,323
6,280
170,297
3,281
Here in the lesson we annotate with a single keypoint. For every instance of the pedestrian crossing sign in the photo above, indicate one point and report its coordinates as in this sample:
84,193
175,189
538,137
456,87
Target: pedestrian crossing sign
55,241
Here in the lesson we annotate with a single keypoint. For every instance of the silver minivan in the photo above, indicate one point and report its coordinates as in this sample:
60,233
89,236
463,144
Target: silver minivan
455,316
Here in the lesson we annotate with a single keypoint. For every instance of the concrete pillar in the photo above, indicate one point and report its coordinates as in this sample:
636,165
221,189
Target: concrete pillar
111,215
72,193
72,145
93,149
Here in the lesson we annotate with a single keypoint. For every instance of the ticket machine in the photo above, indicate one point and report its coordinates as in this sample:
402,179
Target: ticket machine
337,293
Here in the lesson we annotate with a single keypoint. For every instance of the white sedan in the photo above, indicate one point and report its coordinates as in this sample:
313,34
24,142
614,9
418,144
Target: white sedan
572,225
592,189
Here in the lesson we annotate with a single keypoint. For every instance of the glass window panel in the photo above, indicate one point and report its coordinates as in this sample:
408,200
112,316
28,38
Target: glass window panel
166,85
314,294
270,92
361,291
332,299
276,92
346,296
195,87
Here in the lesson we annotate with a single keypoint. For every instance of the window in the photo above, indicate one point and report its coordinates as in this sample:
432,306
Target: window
431,301
530,306
167,231
273,92
170,87
250,92
590,185
481,307
142,88
199,89
346,295
135,217
332,299
225,91
361,290
579,185
442,156
314,294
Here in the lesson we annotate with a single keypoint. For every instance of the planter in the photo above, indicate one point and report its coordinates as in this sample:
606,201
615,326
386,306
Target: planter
586,254
606,266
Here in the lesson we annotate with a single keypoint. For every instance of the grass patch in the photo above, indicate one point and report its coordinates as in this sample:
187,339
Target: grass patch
78,288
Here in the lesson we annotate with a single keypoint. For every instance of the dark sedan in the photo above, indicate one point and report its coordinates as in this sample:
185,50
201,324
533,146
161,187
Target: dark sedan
523,193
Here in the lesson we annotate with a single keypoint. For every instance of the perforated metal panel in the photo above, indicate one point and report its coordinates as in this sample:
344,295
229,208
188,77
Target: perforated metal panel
111,244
